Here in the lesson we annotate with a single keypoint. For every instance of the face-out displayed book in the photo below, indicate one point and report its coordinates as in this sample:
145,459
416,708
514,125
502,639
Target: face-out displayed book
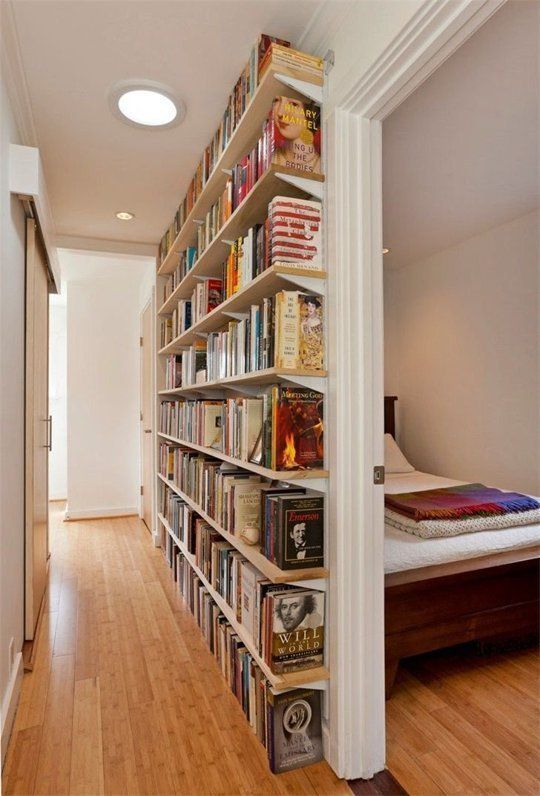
295,232
293,528
293,638
294,728
294,134
293,428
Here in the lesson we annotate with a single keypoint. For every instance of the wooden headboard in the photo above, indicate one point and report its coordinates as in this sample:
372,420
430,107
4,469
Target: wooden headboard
390,415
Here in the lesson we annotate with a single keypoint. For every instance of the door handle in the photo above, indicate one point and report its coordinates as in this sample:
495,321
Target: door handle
48,444
147,430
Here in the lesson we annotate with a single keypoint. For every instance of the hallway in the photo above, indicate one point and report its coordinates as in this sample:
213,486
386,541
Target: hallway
124,696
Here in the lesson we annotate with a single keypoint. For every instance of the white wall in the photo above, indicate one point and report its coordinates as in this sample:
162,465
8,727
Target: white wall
57,397
103,309
462,355
12,299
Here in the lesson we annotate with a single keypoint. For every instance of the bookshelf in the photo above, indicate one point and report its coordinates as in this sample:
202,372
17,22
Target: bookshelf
252,210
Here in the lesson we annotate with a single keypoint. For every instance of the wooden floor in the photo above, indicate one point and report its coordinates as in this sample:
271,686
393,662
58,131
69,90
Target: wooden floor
125,697
462,723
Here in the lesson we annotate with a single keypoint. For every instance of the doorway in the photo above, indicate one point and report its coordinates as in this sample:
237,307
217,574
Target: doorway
146,416
38,425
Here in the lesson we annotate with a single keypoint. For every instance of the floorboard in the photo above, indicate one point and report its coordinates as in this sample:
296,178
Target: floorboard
461,722
125,697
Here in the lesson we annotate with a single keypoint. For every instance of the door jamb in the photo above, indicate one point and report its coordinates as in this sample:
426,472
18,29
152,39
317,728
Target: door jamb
356,746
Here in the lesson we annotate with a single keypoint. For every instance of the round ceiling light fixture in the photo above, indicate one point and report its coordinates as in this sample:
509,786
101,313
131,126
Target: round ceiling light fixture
124,215
143,103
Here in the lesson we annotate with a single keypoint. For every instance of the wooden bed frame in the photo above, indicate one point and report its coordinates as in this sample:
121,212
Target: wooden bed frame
426,609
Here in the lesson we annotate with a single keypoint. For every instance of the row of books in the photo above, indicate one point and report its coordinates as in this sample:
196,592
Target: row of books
282,429
187,260
284,331
290,236
287,522
288,724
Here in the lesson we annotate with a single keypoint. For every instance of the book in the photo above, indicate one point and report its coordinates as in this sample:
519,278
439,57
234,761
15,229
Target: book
295,630
296,428
295,729
294,135
295,232
298,531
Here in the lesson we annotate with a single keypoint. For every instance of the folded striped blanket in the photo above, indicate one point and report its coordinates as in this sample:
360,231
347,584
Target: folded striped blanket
435,529
459,502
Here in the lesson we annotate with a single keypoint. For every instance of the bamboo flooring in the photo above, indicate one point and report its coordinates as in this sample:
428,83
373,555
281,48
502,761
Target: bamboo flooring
125,697
462,723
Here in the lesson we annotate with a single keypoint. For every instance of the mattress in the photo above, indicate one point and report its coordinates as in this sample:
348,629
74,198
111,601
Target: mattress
403,551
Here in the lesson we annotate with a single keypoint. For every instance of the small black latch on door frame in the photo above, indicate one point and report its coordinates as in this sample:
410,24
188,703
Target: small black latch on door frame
378,475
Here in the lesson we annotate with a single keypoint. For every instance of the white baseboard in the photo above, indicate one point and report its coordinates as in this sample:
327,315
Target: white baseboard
10,701
89,514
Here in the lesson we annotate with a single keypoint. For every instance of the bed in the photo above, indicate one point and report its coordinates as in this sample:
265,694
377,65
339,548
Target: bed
446,591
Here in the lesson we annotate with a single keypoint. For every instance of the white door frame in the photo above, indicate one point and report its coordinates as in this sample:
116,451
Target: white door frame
356,741
151,302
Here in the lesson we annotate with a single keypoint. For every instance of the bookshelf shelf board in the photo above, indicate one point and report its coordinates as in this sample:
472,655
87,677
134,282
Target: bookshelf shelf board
242,140
251,552
257,377
274,475
270,281
278,681
274,278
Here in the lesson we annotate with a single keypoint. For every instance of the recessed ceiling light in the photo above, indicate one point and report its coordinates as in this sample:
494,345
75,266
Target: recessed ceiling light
385,251
147,107
125,216
143,103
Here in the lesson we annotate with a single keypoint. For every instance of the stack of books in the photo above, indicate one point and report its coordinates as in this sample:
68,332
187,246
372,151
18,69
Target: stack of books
284,59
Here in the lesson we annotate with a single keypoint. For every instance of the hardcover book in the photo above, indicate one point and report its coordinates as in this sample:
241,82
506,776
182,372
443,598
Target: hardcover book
295,230
299,531
297,429
295,134
295,731
296,630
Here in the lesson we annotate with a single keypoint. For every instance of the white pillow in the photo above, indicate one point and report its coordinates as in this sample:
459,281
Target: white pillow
394,460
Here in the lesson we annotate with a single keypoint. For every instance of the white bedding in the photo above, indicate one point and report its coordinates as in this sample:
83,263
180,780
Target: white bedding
404,551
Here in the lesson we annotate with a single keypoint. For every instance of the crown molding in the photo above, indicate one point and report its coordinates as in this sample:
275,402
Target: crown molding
14,75
323,26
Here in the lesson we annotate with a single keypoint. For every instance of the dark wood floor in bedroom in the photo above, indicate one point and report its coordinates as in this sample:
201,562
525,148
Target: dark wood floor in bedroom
460,722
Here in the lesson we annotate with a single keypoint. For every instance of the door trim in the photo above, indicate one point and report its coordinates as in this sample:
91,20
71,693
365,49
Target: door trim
353,135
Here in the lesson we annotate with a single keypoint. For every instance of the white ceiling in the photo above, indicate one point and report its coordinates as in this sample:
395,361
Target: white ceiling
73,52
460,155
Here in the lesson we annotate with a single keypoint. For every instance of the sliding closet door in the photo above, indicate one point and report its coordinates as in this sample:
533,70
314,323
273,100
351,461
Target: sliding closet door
38,426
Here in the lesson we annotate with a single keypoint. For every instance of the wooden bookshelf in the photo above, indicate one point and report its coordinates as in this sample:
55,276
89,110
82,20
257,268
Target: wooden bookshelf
269,282
276,181
273,475
251,552
242,140
278,681
258,377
